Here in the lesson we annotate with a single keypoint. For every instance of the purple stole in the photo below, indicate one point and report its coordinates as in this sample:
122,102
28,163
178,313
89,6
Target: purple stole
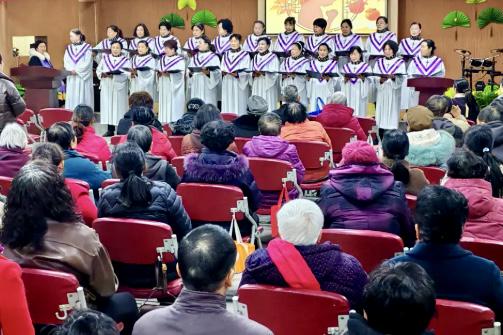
379,44
76,56
205,60
311,46
141,61
259,66
231,65
222,46
291,67
107,44
362,68
253,44
341,46
159,46
111,66
410,49
166,63
331,66
392,68
427,70
134,44
191,44
286,43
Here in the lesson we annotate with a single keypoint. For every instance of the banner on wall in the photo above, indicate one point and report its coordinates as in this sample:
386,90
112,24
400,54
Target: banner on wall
363,14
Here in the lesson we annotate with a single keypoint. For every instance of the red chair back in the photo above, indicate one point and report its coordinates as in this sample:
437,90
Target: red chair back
49,116
240,143
461,318
5,184
109,182
115,140
268,173
208,202
176,143
433,174
371,248
229,117
78,182
339,138
167,129
178,162
287,311
367,123
490,249
30,119
310,154
45,292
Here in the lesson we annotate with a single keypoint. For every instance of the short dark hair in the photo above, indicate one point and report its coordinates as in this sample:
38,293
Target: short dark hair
171,44
206,113
440,214
88,321
37,43
418,23
356,48
217,135
439,105
77,32
489,114
116,42
269,124
166,24
205,257
236,36
49,152
392,44
259,21
382,18
62,134
226,25
141,135
295,113
145,29
464,164
399,299
267,40
116,29
348,22
395,146
142,115
290,20
141,98
83,116
431,45
320,22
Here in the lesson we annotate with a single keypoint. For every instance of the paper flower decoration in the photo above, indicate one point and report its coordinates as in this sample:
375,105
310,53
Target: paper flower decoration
176,20
187,3
456,19
490,15
205,17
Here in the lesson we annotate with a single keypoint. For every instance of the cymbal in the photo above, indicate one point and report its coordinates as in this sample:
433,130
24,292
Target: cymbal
463,52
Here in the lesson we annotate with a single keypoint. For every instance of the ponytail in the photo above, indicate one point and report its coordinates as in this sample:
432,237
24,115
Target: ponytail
400,171
83,116
495,176
135,191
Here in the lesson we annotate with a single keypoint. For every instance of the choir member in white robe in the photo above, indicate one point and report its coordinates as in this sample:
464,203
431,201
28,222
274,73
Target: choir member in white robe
78,60
313,41
171,85
114,33
293,71
204,73
236,78
265,68
191,46
344,41
140,33
157,46
222,41
143,78
289,37
356,84
389,87
113,71
410,47
319,89
251,43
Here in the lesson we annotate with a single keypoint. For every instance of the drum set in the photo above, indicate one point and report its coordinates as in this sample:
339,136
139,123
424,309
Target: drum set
483,66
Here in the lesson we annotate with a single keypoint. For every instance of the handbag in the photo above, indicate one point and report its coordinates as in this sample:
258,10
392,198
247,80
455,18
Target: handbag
275,209
319,107
243,249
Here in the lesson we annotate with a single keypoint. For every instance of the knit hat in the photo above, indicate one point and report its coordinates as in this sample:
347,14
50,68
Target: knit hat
419,118
194,104
257,105
359,152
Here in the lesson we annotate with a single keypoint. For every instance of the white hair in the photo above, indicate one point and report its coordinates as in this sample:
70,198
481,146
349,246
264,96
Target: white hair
300,222
338,98
13,136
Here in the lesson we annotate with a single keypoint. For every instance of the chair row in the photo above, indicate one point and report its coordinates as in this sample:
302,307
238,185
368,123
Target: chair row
36,123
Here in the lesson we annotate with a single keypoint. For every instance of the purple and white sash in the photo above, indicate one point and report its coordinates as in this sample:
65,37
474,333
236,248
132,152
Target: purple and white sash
260,65
331,66
167,62
135,41
107,44
378,44
200,60
361,68
312,46
252,42
76,55
286,42
391,69
410,49
232,65
191,43
428,70
110,64
141,61
292,66
159,43
341,46
222,46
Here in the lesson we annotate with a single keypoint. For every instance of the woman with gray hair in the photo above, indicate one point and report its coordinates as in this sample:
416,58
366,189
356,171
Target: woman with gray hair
337,114
13,141
296,260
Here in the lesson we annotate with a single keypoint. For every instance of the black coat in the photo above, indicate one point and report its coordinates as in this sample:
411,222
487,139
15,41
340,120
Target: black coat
246,125
125,123
357,325
160,170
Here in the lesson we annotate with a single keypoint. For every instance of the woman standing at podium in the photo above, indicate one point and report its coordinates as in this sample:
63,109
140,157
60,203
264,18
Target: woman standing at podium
39,55
78,60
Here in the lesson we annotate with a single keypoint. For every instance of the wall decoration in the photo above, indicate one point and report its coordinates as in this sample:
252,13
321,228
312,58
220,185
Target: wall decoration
176,20
456,19
192,4
488,16
205,17
475,2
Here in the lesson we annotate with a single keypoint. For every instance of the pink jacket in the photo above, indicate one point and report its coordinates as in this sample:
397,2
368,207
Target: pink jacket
340,116
93,144
485,213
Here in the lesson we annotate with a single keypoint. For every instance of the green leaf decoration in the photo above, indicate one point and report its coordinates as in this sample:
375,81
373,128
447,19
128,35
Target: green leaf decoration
187,3
205,17
176,20
456,19
490,15
475,2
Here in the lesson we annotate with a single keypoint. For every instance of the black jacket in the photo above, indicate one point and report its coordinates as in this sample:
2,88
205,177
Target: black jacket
160,170
246,125
125,123
497,130
281,111
357,325
183,126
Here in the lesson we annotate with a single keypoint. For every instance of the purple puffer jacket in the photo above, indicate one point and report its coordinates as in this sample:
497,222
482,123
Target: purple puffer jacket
274,147
11,161
366,197
335,270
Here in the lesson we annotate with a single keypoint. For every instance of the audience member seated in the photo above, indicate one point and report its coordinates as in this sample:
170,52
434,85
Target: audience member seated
491,117
52,154
87,140
206,258
247,125
399,299
363,194
11,103
458,274
161,146
296,260
485,214
13,142
427,146
89,322
337,114
76,166
269,145
290,94
14,314
137,99
156,167
299,128
465,99
395,147
42,230
216,165
184,125
479,140
443,108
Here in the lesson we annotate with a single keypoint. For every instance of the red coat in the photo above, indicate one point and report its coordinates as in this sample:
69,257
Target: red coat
93,144
161,146
83,201
14,314
340,116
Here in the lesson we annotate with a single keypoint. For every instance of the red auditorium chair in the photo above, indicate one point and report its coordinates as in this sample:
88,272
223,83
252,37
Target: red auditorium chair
463,318
240,143
177,163
131,241
433,174
30,123
411,202
49,116
339,137
287,311
107,183
93,158
371,248
167,129
5,184
367,123
115,140
229,117
51,295
176,143
490,249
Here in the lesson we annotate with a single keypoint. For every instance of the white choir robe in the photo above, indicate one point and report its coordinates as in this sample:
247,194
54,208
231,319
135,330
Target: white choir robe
322,89
145,80
114,90
313,43
133,44
294,66
79,87
235,91
266,86
375,43
202,86
106,45
420,67
389,93
410,47
157,44
171,88
192,45
344,43
221,44
251,43
355,89
284,41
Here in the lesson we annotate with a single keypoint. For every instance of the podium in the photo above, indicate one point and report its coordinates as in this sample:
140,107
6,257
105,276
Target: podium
41,85
429,86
